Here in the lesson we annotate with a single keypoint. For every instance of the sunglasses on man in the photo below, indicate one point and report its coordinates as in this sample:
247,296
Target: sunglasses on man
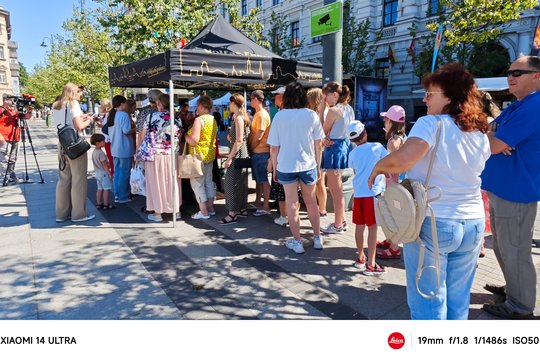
518,72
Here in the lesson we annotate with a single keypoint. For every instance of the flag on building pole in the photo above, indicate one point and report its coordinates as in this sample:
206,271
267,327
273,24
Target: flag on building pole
438,39
391,56
411,51
535,48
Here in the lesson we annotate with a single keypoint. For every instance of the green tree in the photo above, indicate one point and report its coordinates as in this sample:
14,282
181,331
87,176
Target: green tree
280,39
147,27
356,56
467,25
23,75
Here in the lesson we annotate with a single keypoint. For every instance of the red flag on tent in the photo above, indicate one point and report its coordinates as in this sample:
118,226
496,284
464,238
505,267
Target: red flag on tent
391,56
411,50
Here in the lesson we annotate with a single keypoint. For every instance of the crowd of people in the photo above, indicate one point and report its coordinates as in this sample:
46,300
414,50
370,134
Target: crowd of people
305,148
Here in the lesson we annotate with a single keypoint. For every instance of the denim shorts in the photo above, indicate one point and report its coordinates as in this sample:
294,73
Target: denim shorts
308,177
103,181
335,156
259,166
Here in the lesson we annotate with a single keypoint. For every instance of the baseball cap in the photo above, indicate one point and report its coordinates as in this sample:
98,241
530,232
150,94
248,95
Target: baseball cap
355,129
395,113
279,90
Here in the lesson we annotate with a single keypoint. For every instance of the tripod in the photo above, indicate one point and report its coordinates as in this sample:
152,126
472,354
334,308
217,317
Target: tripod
25,133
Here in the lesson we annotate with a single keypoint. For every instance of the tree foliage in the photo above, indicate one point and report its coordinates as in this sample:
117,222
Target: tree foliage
356,56
280,39
119,31
468,25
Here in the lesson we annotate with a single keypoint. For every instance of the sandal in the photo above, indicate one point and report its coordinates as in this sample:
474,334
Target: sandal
243,213
109,207
388,253
229,219
384,244
99,206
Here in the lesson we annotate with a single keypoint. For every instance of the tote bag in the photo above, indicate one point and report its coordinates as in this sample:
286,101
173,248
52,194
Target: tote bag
190,166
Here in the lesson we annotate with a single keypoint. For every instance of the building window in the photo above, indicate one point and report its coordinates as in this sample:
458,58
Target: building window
2,55
390,12
382,68
275,2
295,33
259,4
434,7
3,77
244,7
316,39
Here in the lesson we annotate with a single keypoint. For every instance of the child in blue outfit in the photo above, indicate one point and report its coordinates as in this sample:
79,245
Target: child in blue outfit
362,159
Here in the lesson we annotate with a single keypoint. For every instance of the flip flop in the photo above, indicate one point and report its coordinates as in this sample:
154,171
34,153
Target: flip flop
109,207
261,212
99,206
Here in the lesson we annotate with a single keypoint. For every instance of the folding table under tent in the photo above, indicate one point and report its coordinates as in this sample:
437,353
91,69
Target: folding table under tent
220,57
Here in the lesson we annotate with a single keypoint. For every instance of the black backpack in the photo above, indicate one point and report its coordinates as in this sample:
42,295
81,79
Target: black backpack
72,143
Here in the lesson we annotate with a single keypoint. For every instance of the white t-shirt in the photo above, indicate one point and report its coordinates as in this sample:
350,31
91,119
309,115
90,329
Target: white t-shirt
362,160
459,161
72,111
294,131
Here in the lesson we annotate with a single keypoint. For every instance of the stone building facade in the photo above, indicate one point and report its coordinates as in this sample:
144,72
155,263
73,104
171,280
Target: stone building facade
392,19
9,62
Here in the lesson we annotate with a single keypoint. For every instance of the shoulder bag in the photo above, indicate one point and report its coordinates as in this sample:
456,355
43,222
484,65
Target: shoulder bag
73,144
190,166
147,149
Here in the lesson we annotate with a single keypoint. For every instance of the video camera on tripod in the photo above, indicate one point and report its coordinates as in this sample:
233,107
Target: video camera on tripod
23,102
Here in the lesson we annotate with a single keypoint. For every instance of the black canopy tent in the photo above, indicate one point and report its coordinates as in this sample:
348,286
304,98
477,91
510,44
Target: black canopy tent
219,57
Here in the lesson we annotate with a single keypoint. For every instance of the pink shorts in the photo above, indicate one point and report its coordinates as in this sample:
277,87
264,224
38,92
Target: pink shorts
364,211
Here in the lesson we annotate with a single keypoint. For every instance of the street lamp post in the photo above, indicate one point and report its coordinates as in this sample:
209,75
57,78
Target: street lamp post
50,38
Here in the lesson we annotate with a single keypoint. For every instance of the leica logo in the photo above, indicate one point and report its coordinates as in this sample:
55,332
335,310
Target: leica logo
396,340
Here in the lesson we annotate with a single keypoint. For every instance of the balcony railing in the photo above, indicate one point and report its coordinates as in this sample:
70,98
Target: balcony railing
389,32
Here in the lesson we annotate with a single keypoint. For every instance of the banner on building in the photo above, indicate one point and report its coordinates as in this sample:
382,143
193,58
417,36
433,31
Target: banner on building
438,39
411,51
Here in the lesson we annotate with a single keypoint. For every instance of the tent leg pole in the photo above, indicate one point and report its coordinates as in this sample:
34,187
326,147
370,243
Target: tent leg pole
173,152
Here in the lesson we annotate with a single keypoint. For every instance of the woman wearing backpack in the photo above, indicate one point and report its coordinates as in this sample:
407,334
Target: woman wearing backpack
459,159
71,187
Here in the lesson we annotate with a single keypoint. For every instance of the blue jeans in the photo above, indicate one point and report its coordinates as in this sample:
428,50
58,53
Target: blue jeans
122,168
459,247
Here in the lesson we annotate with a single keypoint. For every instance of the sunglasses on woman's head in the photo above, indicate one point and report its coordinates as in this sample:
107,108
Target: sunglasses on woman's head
519,72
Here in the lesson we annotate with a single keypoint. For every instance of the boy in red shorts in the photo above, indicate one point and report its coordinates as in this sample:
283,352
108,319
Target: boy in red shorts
362,159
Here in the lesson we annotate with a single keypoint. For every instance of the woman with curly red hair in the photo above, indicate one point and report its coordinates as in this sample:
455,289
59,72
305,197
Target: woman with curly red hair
453,104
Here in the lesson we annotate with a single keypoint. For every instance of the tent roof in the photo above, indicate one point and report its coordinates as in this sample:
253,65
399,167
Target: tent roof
224,100
492,84
220,57
221,37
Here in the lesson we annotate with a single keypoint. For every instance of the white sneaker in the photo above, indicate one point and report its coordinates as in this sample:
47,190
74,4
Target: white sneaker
199,215
332,229
155,218
282,221
86,218
318,242
295,245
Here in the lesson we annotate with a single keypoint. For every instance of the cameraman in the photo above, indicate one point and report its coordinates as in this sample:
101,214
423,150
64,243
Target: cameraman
10,134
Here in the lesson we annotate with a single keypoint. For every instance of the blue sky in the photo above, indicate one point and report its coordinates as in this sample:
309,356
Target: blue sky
34,20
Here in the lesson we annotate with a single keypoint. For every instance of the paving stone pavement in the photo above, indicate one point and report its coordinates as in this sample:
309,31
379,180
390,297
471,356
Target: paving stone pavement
120,266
